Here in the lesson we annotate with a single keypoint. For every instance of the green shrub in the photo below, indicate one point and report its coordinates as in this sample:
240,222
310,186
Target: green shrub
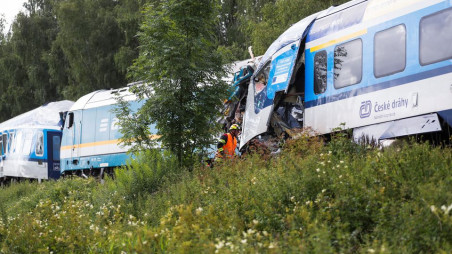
337,197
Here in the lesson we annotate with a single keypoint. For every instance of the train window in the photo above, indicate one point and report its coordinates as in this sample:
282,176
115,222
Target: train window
5,142
56,141
27,143
435,33
70,120
10,141
348,63
261,79
390,51
39,149
320,70
17,144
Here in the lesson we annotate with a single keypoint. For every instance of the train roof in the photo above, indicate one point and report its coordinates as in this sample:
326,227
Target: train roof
103,98
299,29
46,117
337,18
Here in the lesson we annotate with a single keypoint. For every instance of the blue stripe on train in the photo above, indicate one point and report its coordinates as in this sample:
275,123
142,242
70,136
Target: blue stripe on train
380,86
97,161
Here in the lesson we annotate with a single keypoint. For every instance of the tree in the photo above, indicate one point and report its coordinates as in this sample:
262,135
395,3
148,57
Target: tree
183,71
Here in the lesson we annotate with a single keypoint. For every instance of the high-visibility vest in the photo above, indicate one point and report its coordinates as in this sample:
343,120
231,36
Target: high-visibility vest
229,148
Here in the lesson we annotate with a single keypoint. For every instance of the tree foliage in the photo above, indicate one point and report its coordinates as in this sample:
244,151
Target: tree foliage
65,49
183,71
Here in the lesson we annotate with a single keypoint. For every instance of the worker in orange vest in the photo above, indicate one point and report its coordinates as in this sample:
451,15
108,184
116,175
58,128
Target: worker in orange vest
228,142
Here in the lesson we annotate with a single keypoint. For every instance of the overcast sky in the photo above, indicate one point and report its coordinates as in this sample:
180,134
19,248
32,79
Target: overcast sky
10,8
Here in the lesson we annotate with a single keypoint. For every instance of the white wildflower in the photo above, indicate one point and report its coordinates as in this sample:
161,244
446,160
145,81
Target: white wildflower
219,245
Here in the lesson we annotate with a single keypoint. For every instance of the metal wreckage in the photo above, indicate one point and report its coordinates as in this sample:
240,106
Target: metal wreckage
380,68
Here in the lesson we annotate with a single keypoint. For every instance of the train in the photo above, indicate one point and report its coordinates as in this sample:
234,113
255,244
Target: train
30,143
67,138
91,142
381,68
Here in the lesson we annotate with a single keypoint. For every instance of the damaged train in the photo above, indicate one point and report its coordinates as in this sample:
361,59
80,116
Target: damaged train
382,68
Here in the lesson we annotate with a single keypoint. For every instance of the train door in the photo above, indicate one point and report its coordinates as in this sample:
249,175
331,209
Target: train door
4,149
76,137
2,154
53,154
71,144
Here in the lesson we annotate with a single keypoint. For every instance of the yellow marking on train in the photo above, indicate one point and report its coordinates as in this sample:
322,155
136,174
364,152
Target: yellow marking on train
100,143
339,40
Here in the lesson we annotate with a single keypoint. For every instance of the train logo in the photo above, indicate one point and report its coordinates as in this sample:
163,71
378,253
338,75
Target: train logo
365,109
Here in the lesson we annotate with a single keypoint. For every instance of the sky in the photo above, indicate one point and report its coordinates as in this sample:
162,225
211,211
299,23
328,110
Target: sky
10,8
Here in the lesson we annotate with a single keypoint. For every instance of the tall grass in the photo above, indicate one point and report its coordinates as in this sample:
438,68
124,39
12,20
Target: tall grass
314,198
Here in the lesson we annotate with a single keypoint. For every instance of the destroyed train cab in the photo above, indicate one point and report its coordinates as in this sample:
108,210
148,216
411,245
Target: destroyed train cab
382,68
91,135
30,143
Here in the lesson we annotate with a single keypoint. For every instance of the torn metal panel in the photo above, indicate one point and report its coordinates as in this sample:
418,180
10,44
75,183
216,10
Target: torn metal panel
279,62
404,127
295,33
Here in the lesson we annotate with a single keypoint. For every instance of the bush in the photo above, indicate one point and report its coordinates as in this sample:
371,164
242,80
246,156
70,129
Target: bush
313,198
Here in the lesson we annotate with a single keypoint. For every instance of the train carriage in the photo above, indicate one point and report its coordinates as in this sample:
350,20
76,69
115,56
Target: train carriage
30,143
91,135
380,67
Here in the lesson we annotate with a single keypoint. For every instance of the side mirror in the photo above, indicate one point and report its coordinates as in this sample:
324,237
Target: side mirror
70,120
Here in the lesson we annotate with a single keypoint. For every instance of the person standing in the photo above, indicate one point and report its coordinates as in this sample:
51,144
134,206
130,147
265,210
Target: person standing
228,143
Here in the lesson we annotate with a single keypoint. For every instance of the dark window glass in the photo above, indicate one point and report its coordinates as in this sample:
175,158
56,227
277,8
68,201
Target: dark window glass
70,120
436,37
56,147
320,70
5,142
390,51
348,63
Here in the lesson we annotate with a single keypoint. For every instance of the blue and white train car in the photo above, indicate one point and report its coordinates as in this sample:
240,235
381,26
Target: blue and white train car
381,67
91,135
30,143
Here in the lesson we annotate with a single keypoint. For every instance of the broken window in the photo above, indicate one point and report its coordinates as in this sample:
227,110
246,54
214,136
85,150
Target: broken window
261,79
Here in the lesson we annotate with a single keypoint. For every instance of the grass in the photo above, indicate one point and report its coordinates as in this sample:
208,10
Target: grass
314,198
